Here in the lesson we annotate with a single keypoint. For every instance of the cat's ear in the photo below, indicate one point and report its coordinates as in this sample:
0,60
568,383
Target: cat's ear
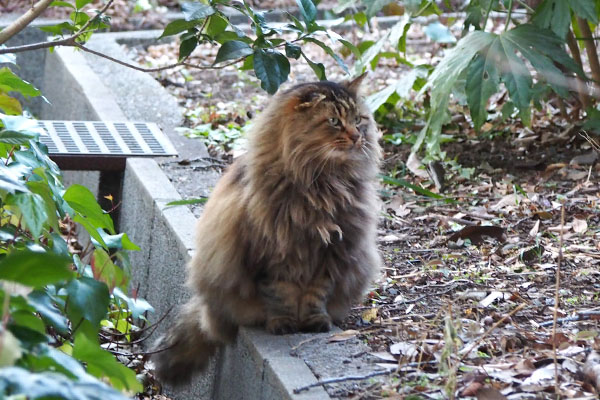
354,85
312,100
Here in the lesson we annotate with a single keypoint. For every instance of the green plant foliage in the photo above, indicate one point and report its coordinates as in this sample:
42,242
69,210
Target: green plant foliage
69,297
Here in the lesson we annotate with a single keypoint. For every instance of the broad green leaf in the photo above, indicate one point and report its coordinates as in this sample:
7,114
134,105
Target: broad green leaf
232,50
10,105
417,189
49,312
392,36
292,51
402,87
439,33
16,137
186,47
318,68
482,82
42,189
81,3
28,320
272,68
554,15
106,271
10,181
585,9
21,124
33,210
90,228
24,384
121,240
88,299
61,4
330,52
216,25
137,306
307,10
35,269
58,29
196,11
103,364
442,81
177,26
83,201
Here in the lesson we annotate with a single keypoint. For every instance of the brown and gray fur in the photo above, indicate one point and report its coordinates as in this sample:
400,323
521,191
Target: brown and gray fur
287,239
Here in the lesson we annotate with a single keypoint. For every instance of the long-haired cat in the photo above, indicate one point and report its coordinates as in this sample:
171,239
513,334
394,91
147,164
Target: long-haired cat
287,239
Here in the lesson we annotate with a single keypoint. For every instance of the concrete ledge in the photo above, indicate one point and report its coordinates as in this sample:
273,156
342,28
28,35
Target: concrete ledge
258,365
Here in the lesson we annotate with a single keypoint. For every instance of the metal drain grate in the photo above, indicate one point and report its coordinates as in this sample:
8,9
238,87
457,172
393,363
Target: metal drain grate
107,139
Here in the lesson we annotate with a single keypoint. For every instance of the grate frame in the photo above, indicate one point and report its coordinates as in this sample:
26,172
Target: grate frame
73,139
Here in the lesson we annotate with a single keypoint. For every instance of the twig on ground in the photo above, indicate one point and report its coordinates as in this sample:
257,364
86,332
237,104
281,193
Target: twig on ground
557,301
581,316
492,328
342,379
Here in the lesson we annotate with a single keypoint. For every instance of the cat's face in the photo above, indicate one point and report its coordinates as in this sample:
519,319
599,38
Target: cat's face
331,122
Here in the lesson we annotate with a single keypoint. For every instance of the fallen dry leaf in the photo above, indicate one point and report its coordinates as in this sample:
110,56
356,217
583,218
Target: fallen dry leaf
579,225
343,336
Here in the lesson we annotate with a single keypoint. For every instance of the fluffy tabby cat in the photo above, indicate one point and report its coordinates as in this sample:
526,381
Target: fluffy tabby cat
287,239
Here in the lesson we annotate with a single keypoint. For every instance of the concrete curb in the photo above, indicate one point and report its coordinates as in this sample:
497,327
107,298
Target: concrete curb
258,365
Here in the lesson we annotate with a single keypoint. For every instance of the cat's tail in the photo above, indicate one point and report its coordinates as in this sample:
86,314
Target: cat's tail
190,343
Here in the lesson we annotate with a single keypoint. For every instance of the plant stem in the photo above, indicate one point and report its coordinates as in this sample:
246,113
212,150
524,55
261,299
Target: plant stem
581,89
487,14
590,48
510,7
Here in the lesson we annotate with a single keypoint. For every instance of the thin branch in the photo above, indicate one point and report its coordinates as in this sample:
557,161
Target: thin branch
590,48
20,23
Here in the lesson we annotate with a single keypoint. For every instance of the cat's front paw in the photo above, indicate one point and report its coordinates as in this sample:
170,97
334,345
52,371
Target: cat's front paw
316,323
282,325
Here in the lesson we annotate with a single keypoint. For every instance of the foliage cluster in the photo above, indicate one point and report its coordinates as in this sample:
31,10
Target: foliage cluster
55,302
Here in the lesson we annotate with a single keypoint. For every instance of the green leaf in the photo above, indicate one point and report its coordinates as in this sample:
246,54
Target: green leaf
61,4
442,81
482,82
402,87
33,210
137,306
83,201
28,320
330,52
555,15
186,47
9,82
88,299
318,68
58,29
106,271
272,68
81,3
200,200
90,228
35,269
50,385
119,241
43,304
103,364
439,33
307,10
292,51
16,137
417,189
216,25
21,124
585,9
10,105
177,26
374,6
232,50
196,11
10,181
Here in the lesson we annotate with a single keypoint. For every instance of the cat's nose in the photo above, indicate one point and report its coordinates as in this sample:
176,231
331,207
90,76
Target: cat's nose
353,134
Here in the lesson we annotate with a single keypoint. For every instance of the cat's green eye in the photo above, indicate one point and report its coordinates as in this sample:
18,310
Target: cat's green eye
333,121
358,119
